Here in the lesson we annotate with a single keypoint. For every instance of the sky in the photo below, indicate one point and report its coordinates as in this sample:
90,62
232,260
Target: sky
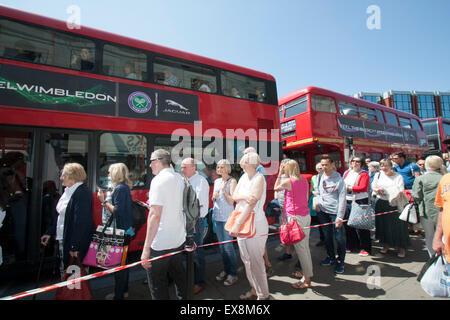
340,45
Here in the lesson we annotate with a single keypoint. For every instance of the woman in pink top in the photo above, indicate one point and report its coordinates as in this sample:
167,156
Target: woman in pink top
296,207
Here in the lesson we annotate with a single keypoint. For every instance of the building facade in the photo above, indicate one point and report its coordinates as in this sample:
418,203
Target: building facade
425,104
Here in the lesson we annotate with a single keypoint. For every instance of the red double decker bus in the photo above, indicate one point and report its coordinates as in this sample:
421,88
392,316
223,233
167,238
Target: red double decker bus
92,97
315,121
437,131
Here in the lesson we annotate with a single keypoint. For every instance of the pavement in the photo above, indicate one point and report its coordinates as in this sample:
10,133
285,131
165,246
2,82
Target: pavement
376,277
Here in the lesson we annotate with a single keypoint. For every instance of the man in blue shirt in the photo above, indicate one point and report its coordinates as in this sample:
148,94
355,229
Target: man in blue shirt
408,170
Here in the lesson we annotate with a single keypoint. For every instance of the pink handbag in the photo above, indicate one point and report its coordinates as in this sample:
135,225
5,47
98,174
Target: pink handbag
107,248
290,232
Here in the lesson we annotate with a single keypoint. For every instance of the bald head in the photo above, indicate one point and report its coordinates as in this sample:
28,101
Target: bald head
188,167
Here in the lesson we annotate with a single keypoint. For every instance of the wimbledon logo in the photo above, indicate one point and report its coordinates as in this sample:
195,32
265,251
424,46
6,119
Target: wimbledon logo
139,102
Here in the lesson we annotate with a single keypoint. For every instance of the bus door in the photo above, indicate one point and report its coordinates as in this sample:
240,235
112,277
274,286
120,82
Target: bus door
31,161
56,149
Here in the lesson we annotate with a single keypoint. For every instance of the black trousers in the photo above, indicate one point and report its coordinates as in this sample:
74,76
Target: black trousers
357,239
173,266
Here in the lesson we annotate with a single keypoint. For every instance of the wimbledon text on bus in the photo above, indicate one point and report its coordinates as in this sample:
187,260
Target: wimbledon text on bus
57,91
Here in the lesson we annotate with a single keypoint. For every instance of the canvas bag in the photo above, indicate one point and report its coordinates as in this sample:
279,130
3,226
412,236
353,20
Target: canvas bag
410,213
290,232
107,247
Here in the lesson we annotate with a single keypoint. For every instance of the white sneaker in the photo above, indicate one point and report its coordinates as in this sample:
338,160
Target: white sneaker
221,276
230,280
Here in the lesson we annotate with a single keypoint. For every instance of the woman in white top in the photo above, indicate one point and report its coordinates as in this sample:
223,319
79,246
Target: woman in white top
250,195
390,230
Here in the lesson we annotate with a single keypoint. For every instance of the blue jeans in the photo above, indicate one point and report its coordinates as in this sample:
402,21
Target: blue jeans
199,254
331,233
229,257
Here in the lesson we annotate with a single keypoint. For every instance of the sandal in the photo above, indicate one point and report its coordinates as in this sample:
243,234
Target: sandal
248,296
301,285
297,274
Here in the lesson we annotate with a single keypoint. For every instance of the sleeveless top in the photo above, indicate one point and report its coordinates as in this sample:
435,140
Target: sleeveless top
244,186
296,200
222,209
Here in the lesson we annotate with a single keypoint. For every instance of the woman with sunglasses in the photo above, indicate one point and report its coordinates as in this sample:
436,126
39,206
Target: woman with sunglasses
357,184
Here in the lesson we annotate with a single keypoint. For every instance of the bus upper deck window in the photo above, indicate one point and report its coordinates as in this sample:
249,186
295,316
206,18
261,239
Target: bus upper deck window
324,104
242,87
124,62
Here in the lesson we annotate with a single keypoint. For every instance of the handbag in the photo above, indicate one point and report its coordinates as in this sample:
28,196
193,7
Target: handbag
362,216
290,232
247,228
434,278
78,291
139,215
107,247
409,213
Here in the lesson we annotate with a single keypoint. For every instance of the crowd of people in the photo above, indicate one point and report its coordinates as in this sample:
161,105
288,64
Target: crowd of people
387,186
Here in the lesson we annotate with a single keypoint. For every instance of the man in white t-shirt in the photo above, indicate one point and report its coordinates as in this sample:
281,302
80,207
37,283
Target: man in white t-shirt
201,188
166,230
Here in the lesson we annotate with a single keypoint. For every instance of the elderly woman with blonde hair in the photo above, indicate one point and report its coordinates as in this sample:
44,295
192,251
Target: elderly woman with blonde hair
120,207
424,193
74,224
250,195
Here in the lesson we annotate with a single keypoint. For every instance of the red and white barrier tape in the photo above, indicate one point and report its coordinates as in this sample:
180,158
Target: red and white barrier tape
116,269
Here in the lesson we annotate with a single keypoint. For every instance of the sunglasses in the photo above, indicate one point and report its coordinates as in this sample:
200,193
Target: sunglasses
151,160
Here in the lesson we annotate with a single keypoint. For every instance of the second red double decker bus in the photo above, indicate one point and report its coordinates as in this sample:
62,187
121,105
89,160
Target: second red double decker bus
315,121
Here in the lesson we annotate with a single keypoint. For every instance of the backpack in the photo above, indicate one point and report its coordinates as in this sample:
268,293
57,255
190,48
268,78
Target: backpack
139,215
191,205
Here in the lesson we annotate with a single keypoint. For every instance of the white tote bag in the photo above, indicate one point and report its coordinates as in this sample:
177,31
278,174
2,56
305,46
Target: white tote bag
410,214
